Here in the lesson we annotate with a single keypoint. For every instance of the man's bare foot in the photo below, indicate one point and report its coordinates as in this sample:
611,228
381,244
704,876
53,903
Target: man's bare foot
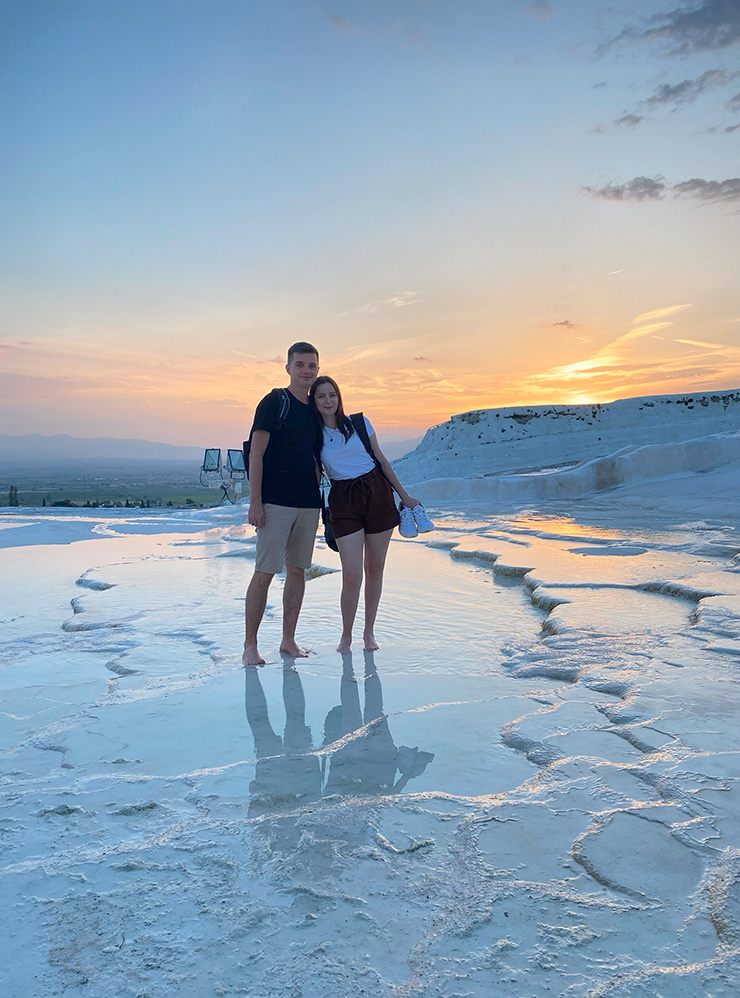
370,643
250,656
345,646
292,649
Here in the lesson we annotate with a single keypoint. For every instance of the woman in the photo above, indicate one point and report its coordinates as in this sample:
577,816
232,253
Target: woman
362,510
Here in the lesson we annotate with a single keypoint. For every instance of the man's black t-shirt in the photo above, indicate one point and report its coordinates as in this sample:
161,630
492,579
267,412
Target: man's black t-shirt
289,466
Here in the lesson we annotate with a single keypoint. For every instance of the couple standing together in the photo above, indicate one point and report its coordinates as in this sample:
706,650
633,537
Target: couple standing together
296,431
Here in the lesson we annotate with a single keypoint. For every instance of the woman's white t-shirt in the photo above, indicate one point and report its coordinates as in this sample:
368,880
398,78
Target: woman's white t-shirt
346,458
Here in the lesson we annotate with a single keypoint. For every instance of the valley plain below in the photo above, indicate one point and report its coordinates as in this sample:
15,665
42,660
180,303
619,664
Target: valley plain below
105,482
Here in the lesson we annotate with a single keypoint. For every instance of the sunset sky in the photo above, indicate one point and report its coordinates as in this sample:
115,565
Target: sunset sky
462,203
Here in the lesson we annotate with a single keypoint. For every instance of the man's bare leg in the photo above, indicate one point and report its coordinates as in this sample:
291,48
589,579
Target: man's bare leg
295,587
376,549
350,554
254,610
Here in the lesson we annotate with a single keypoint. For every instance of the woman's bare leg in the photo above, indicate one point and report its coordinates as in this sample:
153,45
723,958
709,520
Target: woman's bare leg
350,554
376,549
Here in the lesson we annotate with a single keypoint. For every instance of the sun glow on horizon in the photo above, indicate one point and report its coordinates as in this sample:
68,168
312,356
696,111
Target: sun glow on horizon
182,397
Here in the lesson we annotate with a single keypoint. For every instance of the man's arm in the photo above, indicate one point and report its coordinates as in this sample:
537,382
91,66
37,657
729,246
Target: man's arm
260,440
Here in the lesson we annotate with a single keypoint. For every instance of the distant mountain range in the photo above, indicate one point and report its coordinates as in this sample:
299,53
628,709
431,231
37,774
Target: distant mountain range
34,447
393,449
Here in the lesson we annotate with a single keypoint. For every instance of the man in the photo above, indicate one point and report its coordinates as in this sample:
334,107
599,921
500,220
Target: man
284,498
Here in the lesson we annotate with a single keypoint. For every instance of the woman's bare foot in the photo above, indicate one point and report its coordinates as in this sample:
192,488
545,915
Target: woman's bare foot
292,649
345,646
251,656
370,643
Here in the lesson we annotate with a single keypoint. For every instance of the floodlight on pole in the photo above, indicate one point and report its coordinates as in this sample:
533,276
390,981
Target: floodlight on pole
235,464
214,475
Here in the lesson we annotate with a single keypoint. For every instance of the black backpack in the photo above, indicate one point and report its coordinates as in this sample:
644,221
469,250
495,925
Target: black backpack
282,415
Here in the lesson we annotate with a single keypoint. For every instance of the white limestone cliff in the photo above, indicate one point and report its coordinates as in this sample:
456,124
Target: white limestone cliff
560,450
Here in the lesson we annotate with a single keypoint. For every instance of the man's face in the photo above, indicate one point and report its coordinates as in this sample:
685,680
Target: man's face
303,370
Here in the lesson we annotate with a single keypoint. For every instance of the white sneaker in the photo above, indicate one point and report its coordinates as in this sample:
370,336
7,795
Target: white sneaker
407,526
421,517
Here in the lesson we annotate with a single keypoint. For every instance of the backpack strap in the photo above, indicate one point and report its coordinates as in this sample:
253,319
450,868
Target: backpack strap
358,422
282,415
284,406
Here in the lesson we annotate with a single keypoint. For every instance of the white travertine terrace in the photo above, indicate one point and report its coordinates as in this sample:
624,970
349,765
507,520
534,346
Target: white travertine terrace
530,790
558,450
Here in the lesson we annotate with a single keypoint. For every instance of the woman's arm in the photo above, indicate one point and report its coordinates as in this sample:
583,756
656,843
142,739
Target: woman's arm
390,474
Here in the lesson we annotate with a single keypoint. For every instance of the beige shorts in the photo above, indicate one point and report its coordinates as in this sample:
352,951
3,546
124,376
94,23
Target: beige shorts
287,538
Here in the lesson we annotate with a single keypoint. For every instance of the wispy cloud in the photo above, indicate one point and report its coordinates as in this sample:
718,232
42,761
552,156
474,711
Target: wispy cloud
540,9
89,369
712,25
629,120
733,104
616,355
675,96
638,333
661,313
341,23
707,346
400,300
688,90
348,27
641,361
638,189
423,392
656,188
604,359
185,398
565,323
710,191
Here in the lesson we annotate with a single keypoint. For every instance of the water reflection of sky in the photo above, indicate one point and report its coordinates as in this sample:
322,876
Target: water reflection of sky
356,755
539,523
573,770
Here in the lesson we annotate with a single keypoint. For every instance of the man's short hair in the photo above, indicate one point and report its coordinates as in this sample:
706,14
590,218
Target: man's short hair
302,347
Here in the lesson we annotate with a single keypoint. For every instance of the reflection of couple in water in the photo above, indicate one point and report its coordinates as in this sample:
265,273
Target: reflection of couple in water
359,757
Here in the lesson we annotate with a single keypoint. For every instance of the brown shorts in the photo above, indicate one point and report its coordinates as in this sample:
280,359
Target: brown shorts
364,503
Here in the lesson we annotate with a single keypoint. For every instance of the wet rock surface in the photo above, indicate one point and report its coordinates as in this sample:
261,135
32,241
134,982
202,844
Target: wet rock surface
531,789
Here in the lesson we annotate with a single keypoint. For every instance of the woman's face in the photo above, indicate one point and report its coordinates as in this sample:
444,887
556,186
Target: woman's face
326,400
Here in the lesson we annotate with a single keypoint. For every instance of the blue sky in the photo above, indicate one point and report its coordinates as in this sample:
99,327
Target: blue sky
444,196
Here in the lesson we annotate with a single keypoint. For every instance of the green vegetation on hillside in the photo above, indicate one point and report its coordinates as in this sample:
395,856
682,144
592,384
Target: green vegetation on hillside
135,484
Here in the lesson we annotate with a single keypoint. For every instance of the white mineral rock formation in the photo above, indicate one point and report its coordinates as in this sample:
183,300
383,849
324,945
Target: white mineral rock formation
561,450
